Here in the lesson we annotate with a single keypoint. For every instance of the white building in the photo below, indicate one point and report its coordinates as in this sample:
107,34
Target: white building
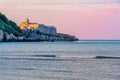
52,30
47,29
42,28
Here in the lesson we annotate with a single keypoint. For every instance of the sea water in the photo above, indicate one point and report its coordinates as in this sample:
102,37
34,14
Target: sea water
60,60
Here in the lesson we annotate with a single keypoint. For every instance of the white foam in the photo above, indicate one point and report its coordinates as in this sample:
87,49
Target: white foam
74,57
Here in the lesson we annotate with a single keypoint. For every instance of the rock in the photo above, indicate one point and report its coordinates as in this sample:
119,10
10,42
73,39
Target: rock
1,35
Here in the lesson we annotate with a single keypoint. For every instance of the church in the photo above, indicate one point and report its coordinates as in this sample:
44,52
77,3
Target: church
41,27
27,24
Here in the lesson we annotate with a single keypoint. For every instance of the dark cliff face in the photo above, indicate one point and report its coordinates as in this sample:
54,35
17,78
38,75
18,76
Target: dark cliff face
36,35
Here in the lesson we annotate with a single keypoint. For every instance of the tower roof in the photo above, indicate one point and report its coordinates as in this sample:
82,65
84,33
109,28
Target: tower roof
27,20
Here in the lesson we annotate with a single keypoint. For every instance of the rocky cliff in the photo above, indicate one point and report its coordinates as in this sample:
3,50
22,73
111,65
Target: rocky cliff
9,31
8,28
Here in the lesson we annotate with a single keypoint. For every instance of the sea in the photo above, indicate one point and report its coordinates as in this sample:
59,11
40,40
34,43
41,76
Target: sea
80,60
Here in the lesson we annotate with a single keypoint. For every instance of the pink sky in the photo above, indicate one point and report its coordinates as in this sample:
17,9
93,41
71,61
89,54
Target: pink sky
86,19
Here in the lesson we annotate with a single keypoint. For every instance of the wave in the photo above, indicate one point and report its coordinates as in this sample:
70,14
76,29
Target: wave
45,59
106,57
54,57
88,57
41,55
28,55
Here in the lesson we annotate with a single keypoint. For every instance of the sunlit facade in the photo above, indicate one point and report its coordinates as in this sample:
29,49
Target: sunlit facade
28,25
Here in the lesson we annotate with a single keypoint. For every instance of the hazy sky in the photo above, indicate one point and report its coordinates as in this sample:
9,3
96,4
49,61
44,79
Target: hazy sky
86,19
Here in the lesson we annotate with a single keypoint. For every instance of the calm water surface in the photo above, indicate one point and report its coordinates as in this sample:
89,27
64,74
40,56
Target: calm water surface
59,60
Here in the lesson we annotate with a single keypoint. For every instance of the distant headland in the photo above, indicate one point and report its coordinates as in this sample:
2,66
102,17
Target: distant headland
27,31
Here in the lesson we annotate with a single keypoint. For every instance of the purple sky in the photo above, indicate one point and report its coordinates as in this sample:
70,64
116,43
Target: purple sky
86,19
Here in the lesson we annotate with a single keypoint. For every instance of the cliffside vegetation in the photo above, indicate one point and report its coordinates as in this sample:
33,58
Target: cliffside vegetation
9,26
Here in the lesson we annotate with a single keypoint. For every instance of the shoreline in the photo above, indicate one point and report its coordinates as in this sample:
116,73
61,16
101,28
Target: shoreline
36,41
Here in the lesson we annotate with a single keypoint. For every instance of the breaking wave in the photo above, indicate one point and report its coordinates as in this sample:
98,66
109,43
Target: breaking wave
54,57
106,57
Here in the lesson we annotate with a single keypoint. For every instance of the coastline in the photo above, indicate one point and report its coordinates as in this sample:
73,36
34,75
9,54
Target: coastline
30,32
34,36
35,41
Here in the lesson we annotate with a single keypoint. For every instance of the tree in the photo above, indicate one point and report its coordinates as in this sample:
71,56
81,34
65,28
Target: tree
4,18
14,26
9,26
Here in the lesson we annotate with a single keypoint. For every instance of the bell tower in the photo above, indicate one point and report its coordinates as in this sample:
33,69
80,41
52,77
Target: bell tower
27,20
